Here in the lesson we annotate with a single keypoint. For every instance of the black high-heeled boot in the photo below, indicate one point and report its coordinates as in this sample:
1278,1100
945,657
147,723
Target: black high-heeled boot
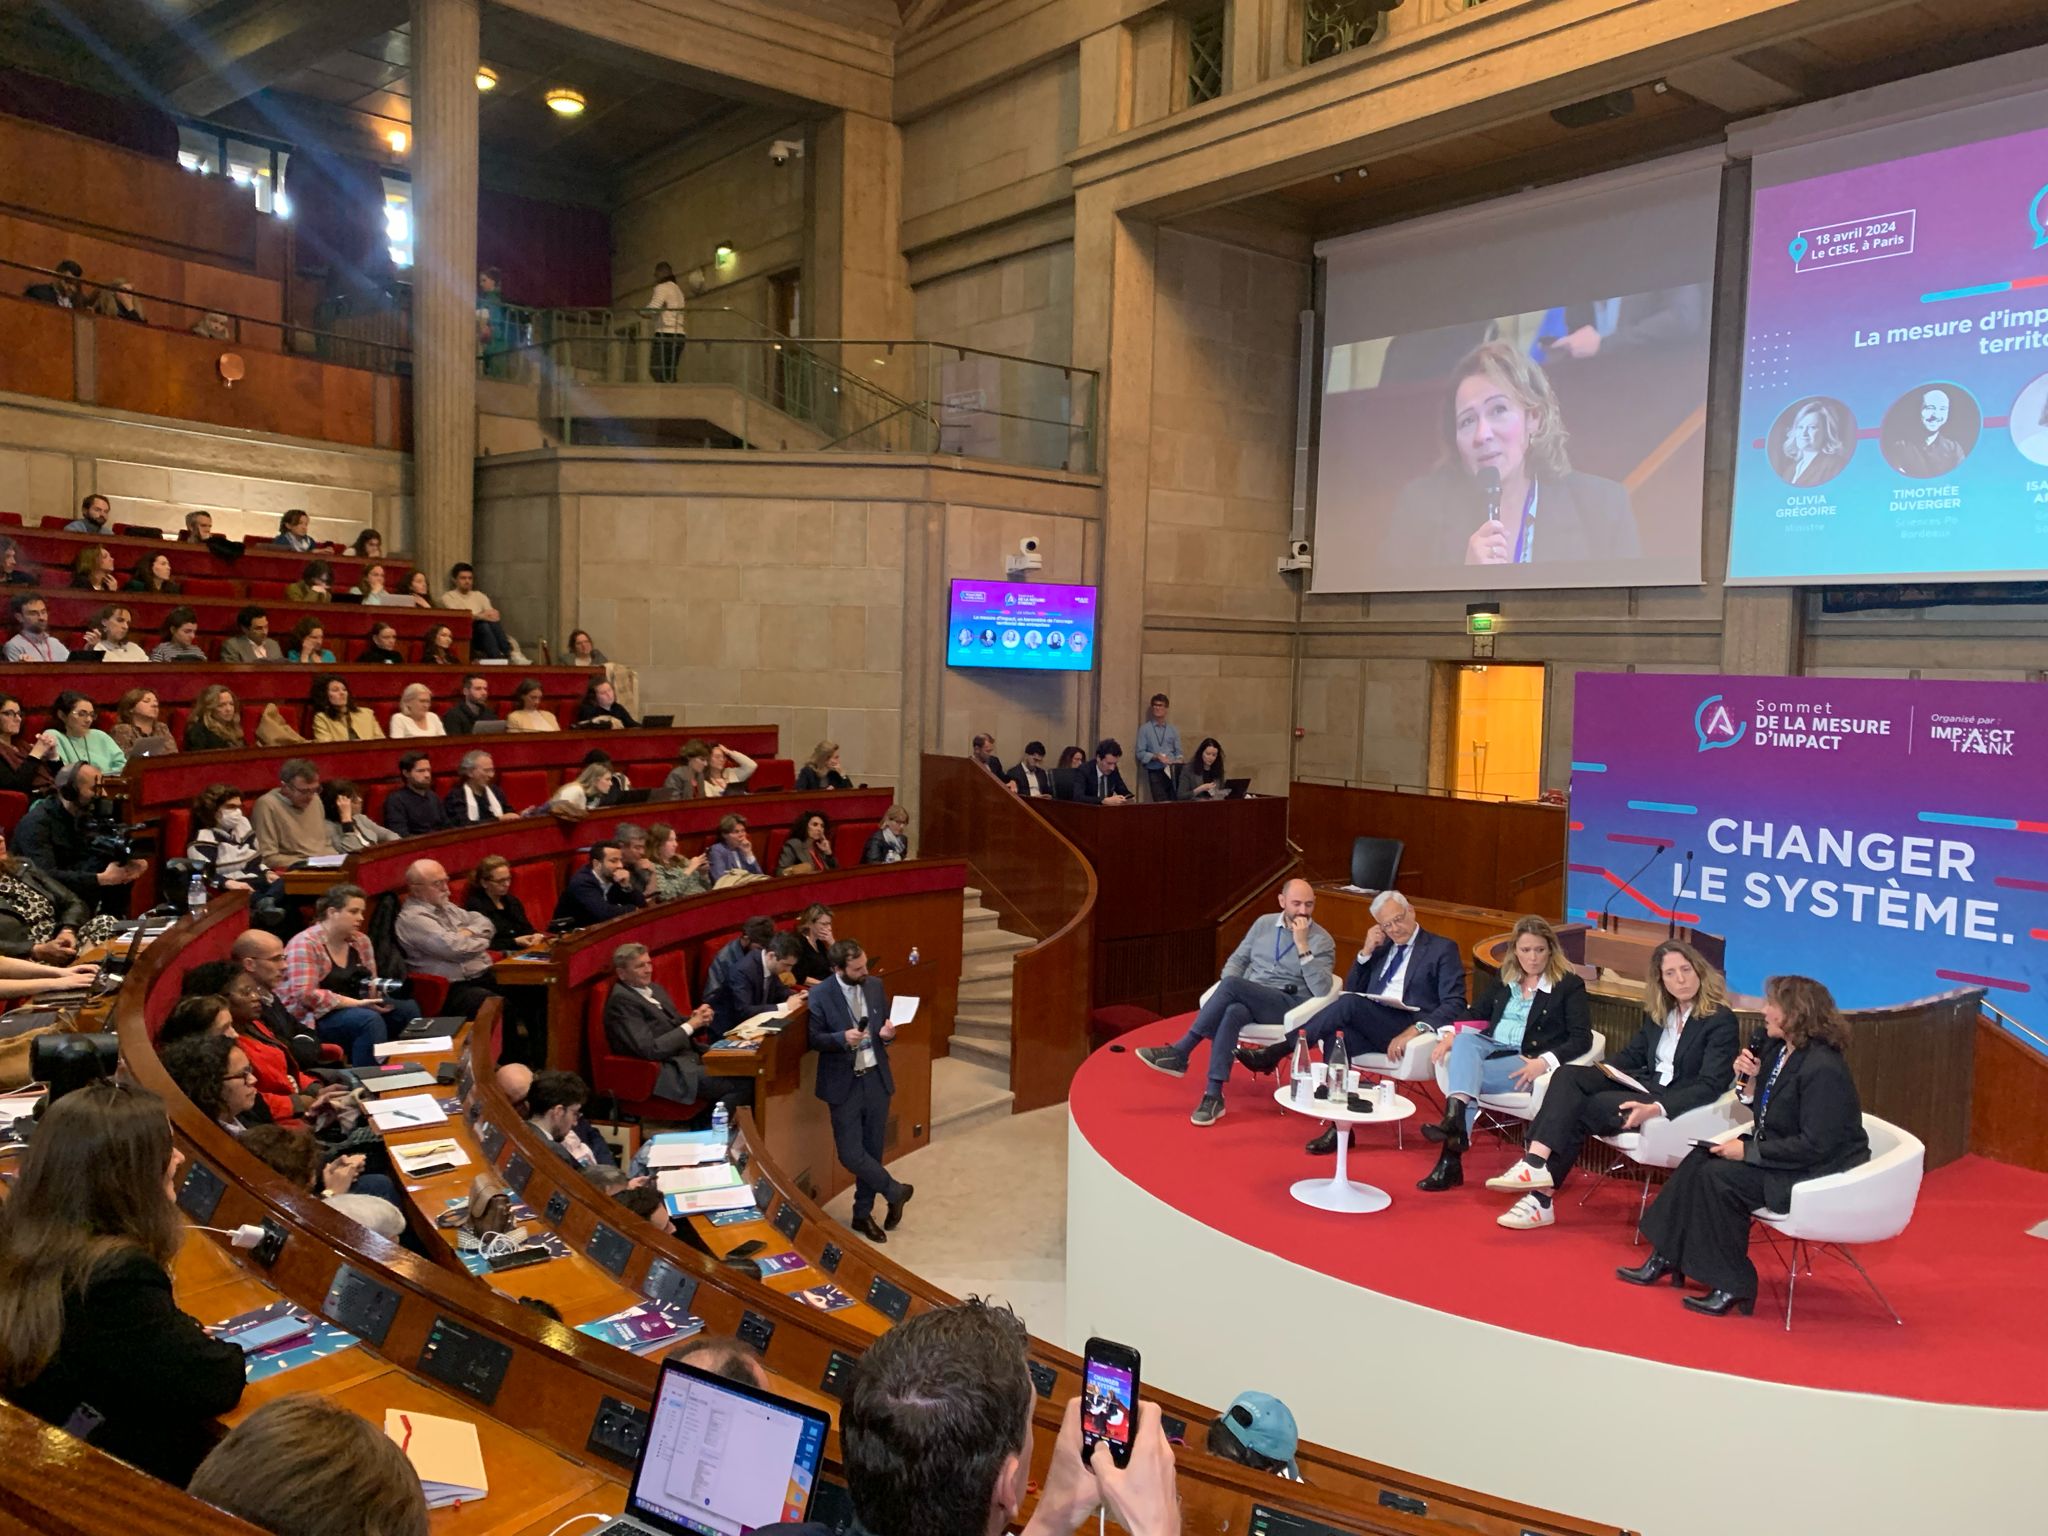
1650,1271
1451,1129
1720,1304
1448,1173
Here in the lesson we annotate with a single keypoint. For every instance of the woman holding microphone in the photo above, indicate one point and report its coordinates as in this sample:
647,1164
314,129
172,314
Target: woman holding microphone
1808,1122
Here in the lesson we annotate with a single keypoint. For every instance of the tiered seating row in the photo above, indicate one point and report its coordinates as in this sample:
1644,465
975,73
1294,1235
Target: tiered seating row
347,625
261,571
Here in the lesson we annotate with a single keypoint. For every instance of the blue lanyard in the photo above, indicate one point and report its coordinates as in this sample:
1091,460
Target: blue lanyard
1764,1103
1525,540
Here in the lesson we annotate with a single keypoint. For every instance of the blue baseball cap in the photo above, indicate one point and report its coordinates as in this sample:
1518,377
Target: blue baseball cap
1262,1423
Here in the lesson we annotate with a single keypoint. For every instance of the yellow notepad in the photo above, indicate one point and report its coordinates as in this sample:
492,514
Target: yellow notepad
445,1452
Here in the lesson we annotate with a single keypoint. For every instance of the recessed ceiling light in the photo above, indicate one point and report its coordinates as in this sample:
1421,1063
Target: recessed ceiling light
486,78
565,101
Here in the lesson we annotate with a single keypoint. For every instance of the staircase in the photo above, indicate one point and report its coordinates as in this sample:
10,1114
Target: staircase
972,1085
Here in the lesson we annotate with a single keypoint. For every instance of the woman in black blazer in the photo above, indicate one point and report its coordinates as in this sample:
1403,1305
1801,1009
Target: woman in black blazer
1808,1123
813,943
90,1339
1681,1058
1537,1019
822,771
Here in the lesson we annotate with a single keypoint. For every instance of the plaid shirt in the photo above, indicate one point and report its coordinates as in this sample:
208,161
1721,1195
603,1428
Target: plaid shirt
306,964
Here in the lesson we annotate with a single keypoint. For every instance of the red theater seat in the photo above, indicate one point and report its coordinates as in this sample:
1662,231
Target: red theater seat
627,1081
538,887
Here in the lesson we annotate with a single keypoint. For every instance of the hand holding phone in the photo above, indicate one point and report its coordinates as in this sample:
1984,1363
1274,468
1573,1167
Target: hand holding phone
1109,1400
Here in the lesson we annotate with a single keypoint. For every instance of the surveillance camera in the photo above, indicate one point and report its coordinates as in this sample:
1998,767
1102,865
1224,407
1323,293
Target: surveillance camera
1027,557
1027,546
1297,558
782,151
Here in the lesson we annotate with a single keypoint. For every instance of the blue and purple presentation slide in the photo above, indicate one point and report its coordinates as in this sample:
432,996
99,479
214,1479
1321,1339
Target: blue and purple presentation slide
1022,626
1895,377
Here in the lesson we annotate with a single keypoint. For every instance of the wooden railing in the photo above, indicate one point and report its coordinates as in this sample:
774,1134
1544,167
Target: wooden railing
1038,882
1487,852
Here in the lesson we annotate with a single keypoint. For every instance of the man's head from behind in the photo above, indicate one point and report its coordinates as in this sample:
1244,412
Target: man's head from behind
935,1431
734,1359
515,1082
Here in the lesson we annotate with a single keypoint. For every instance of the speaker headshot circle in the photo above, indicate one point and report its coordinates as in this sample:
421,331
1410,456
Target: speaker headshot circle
2029,421
1812,440
1930,430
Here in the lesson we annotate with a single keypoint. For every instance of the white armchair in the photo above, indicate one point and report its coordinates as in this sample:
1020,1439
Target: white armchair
1298,1015
1665,1141
1866,1204
1496,1110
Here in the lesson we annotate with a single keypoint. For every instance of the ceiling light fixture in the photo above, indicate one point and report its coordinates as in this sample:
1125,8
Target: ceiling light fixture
565,102
486,78
398,139
723,252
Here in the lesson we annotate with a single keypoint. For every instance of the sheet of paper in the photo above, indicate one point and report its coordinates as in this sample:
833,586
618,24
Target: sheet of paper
682,1181
700,1202
902,1010
1394,1002
324,861
406,1111
684,1157
430,1046
377,1082
428,1154
445,1452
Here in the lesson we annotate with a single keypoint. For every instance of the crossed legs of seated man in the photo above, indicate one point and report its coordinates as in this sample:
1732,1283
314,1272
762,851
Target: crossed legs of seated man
1580,1102
1231,1006
1474,1064
1368,1027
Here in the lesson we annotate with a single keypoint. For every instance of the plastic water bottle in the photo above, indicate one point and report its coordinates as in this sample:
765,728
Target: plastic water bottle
195,894
1339,1063
1299,1074
721,1119
913,954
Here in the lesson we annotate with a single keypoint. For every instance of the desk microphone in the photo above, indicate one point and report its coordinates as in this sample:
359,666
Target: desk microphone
1489,481
1671,928
1631,880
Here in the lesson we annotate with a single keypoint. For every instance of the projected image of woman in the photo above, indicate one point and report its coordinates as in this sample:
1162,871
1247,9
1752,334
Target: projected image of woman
1813,448
1506,493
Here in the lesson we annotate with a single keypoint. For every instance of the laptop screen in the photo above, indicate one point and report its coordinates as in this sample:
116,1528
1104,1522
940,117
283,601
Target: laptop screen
722,1459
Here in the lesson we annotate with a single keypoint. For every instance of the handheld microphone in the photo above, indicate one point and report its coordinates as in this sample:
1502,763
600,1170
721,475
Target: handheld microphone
1489,481
1671,928
1758,1039
1631,880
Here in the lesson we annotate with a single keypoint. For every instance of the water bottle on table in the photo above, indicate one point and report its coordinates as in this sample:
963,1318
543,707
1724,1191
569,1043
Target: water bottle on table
1339,1065
195,894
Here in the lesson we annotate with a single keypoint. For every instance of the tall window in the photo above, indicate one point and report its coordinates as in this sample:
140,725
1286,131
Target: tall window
398,218
1331,27
1205,31
255,164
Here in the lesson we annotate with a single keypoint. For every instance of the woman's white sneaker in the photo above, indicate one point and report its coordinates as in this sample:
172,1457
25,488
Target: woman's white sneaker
1528,1213
1520,1178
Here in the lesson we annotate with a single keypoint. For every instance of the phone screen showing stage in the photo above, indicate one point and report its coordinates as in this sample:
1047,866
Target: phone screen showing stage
1108,1406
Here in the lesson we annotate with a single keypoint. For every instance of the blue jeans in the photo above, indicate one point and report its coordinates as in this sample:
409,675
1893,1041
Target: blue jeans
359,1031
488,640
1234,1004
1473,1069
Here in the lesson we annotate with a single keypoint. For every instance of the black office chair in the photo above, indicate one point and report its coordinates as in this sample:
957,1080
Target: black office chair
1376,862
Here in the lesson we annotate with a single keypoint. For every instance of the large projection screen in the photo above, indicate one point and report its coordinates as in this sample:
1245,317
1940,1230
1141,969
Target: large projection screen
1894,422
1514,395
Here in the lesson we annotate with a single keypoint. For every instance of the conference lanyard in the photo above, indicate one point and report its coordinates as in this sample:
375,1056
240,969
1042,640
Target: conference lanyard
1764,1103
1525,541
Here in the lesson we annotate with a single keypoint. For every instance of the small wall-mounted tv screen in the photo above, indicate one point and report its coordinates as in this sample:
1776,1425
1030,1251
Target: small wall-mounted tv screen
1021,626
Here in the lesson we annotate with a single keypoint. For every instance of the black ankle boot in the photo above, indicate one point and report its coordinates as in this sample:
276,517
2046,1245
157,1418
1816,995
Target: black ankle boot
1448,1173
1451,1128
1650,1271
1720,1304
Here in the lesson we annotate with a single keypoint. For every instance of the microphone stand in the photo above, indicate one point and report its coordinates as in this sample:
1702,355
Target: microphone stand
1671,928
1631,880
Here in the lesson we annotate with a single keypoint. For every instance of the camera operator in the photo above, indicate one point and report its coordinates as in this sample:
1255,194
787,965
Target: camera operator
68,835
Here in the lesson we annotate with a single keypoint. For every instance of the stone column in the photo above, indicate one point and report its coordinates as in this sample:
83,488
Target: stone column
444,188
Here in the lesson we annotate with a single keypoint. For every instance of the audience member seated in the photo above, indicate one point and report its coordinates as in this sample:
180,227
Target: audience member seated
693,760
66,291
336,716
180,638
490,894
438,649
304,1466
315,584
213,1071
78,739
215,723
582,651
415,715
95,515
251,641
382,650
935,1437
641,1020
515,1081
475,797
196,1013
632,841
90,1337
600,706
117,301
418,586
260,956
214,325
1100,783
12,571
1067,771
709,772
1807,1122
984,753
487,634
441,939
822,771
732,856
587,790
1284,959
554,1106
1029,777
294,533
139,729
671,877
1256,1431
474,705
1201,777
54,836
42,917
1537,1018
152,574
1682,1057
26,762
109,635
597,757
32,640
601,890
220,993
291,823
413,809
198,529
223,846
369,545
813,933
348,825
889,843
808,848
328,969
93,570
309,643
742,979
375,594
648,1204
527,711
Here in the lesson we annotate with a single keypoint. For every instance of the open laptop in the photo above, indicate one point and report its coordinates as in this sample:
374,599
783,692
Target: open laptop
658,722
1236,789
721,1459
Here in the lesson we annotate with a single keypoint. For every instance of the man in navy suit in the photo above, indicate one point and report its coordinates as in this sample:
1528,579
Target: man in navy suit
850,1031
1101,784
746,976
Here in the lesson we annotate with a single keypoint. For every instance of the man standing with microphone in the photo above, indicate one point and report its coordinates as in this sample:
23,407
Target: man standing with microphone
850,1031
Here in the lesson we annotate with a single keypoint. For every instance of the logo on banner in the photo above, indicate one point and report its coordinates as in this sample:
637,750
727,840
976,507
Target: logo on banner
1715,724
1973,735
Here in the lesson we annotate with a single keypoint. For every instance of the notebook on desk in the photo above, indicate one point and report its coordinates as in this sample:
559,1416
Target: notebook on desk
720,1459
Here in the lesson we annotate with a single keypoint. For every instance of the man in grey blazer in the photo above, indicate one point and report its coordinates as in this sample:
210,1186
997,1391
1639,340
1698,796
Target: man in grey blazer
642,1020
1284,960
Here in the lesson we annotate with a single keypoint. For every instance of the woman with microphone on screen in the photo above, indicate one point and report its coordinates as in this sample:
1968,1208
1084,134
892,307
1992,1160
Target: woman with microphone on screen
1506,492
